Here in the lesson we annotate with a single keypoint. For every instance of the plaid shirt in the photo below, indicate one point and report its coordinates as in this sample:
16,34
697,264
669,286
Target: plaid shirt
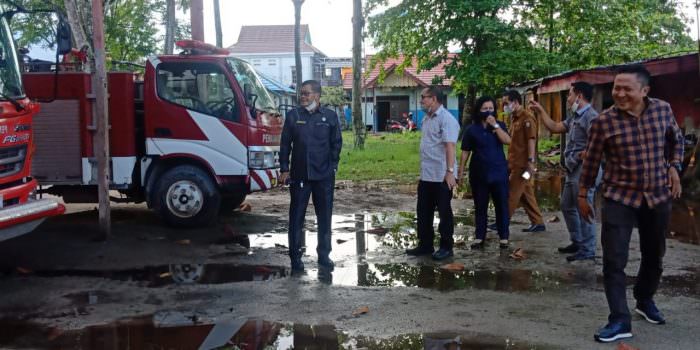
638,152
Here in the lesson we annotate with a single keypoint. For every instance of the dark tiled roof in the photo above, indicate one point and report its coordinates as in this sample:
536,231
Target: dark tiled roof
272,39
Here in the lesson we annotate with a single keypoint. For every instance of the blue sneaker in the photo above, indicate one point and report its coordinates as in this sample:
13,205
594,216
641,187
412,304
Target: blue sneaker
613,331
649,311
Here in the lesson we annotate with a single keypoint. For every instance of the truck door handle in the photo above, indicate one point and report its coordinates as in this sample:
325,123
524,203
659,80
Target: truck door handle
163,132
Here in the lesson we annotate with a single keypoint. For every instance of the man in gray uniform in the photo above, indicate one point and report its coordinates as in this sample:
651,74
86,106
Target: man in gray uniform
576,126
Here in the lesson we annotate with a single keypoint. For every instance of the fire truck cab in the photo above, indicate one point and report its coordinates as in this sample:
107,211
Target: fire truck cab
191,139
20,210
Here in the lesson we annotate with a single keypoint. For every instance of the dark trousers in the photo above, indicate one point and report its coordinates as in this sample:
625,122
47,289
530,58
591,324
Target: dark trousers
433,195
618,221
498,191
322,194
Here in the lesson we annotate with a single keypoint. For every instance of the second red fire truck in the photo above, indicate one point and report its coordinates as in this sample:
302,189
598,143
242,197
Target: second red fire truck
191,139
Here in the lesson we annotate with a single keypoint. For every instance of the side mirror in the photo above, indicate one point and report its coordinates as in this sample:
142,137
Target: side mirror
64,37
250,98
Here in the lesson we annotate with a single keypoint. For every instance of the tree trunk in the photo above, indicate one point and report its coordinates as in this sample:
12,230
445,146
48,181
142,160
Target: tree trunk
80,19
197,19
217,24
297,45
357,24
170,25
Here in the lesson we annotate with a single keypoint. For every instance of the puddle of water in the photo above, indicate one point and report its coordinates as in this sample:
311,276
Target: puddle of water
144,333
159,276
433,277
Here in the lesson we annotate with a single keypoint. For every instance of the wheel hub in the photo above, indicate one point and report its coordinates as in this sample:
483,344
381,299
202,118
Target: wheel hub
184,199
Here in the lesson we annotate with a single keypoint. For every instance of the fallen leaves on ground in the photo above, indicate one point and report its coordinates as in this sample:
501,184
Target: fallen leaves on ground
360,311
24,270
623,346
340,241
183,242
453,267
518,254
245,207
165,274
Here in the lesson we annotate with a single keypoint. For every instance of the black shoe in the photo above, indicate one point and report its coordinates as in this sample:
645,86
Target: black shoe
535,228
649,311
577,257
326,263
503,245
569,249
613,331
418,251
297,266
442,254
492,227
477,245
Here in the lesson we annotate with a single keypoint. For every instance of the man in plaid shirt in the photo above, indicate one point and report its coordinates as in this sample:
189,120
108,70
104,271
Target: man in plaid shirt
643,148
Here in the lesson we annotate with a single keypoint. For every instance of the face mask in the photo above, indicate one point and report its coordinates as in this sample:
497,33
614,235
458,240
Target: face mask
508,108
312,106
484,115
574,106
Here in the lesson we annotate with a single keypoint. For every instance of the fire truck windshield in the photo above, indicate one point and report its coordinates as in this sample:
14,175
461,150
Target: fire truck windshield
246,76
10,80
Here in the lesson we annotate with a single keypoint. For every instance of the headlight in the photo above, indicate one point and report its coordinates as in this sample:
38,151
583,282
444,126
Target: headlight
263,159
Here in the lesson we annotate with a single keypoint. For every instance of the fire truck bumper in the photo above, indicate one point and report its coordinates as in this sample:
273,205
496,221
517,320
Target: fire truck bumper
23,218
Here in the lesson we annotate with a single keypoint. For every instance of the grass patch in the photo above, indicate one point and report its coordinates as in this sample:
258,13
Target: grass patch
386,156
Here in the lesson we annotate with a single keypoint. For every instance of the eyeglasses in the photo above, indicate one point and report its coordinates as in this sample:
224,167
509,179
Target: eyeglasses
307,93
426,96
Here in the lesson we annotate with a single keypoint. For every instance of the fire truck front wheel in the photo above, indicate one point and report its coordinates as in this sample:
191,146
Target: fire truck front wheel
186,196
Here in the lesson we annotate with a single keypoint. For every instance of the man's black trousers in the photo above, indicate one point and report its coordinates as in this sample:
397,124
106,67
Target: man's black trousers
322,194
618,222
433,195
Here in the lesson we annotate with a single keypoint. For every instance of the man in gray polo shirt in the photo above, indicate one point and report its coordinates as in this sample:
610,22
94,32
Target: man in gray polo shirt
439,134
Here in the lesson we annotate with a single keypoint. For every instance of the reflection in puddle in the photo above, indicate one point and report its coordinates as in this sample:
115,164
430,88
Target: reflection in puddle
432,277
143,333
158,276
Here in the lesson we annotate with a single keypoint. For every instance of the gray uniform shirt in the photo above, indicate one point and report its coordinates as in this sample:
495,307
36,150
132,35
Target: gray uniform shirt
436,130
577,126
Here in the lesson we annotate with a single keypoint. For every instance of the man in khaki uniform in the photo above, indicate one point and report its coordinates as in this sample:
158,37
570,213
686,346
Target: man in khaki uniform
521,160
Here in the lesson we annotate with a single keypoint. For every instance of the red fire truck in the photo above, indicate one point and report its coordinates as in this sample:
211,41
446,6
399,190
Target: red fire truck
191,139
20,211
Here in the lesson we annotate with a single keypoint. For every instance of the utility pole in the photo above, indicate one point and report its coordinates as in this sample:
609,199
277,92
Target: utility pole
217,24
357,23
197,19
101,147
297,46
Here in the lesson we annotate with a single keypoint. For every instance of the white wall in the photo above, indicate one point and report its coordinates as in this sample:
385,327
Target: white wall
282,70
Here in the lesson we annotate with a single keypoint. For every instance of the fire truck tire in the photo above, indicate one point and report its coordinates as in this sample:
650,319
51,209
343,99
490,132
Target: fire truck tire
186,196
230,203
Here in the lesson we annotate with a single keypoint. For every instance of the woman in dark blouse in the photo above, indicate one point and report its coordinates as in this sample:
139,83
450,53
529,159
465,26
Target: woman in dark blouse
488,169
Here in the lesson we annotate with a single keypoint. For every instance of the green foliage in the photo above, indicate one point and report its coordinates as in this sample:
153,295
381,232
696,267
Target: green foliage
38,28
388,156
492,51
333,96
498,42
585,33
130,31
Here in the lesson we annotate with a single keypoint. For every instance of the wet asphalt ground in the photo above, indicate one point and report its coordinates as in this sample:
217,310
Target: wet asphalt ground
229,286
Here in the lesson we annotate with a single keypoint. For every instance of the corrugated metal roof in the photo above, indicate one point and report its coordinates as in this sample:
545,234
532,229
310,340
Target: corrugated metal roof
274,85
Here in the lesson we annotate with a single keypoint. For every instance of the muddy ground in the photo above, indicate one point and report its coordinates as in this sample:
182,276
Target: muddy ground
153,287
